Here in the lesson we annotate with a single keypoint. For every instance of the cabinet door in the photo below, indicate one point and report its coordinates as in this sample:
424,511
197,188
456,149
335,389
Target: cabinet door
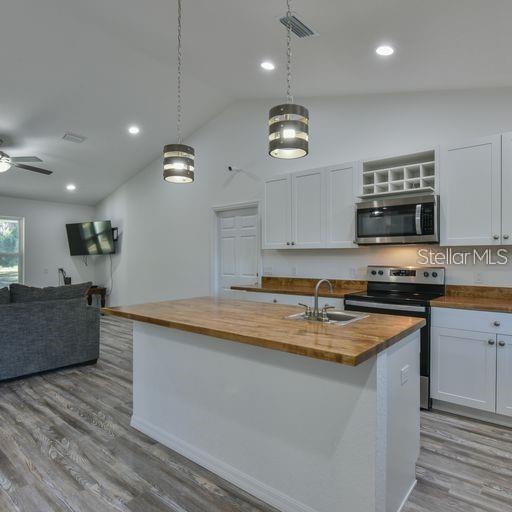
277,213
506,189
504,377
471,193
340,184
308,212
464,368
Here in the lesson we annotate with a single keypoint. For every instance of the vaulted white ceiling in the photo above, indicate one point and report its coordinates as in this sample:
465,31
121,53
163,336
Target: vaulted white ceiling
93,67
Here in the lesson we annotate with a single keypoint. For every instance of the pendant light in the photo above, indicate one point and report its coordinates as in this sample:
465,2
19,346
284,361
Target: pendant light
288,125
179,159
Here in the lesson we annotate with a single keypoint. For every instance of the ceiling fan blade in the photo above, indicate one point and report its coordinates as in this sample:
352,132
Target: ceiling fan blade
33,169
25,159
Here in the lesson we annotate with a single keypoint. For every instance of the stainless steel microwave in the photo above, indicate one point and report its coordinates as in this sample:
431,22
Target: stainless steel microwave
404,220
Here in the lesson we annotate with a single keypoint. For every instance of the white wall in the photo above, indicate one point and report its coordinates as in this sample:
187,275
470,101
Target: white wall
165,251
46,246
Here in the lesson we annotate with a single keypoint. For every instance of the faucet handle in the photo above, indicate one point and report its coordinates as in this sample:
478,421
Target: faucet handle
327,307
308,309
324,317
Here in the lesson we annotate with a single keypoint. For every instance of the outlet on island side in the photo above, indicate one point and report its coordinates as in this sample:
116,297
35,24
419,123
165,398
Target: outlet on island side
404,375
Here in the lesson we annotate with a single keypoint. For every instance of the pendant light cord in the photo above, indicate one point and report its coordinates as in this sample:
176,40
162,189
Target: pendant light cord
179,99
289,97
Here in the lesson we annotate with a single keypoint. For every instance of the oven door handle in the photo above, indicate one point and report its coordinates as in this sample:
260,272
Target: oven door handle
380,305
419,208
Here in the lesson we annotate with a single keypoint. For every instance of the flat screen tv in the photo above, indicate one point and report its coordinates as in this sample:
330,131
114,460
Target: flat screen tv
89,238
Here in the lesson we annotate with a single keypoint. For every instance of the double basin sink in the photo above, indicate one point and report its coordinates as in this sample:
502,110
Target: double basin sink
331,317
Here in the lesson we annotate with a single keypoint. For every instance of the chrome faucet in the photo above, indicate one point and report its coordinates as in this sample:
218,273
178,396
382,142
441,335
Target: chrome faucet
316,312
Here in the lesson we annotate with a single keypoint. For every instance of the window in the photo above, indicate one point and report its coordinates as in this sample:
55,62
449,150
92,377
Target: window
11,251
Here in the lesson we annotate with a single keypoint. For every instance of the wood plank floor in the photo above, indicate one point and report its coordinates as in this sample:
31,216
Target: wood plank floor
66,445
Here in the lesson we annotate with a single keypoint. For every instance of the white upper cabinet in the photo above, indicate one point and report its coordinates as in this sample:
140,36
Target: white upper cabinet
506,188
277,218
504,377
471,193
340,191
310,209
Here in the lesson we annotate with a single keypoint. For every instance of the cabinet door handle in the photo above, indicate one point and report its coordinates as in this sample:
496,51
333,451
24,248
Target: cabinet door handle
501,343
293,243
506,237
496,237
287,243
274,301
496,323
490,342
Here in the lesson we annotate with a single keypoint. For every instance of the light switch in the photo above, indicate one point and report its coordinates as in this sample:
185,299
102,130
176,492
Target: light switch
404,374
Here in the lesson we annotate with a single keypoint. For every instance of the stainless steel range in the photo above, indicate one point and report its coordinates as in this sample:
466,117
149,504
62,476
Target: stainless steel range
406,292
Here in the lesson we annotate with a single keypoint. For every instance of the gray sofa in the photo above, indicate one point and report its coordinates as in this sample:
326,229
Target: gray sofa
46,328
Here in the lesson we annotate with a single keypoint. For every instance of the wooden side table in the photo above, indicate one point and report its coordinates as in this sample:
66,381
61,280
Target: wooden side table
97,290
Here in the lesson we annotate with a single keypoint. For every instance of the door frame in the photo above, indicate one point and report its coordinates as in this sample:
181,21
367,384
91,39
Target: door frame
214,260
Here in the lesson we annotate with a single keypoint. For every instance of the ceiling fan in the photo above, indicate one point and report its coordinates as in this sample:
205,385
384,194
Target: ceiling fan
6,162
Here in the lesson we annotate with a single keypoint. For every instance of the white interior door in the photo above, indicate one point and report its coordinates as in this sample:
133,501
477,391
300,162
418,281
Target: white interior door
308,224
238,248
464,368
471,193
504,378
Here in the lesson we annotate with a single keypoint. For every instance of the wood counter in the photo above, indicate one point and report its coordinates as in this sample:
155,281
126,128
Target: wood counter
480,298
266,325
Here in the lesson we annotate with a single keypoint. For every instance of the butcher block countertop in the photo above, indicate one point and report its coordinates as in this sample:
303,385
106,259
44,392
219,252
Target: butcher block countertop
266,325
481,298
303,286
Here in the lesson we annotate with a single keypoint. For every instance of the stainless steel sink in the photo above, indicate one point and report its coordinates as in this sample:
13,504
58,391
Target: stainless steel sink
333,317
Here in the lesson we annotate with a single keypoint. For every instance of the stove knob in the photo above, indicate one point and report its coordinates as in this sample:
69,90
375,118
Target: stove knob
381,273
374,272
425,274
434,274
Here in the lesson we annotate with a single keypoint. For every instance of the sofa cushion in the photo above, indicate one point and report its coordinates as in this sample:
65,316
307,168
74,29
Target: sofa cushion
22,293
5,296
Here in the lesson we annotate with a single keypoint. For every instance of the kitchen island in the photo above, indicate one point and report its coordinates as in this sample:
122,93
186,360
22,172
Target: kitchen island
306,416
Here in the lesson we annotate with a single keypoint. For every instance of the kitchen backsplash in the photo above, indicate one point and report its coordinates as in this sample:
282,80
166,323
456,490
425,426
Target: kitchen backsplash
480,268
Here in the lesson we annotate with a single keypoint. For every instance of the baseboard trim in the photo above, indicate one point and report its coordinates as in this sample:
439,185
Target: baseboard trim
468,412
262,491
407,496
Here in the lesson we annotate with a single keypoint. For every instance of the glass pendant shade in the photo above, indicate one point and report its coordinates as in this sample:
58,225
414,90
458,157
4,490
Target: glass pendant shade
4,166
179,161
288,131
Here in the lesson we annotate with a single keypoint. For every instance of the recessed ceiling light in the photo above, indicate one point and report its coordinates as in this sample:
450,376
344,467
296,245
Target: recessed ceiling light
71,187
384,50
134,130
267,65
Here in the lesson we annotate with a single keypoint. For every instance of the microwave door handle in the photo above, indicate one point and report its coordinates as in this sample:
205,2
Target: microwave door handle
418,219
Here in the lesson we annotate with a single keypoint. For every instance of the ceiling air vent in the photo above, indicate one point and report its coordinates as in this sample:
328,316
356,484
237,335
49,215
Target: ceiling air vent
299,28
73,137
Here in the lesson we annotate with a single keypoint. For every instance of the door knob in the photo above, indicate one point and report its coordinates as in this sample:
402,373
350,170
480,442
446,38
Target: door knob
496,323
501,343
490,342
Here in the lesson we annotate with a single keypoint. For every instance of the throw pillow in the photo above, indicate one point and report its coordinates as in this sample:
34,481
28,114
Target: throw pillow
5,297
22,293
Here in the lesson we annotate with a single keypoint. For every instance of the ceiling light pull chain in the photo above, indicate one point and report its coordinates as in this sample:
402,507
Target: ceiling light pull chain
179,102
289,97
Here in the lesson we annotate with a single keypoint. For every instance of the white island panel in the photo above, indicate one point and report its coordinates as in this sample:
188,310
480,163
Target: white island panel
302,434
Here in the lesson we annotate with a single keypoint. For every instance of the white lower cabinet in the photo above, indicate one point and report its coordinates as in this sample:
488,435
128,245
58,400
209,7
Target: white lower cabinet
504,376
464,368
468,367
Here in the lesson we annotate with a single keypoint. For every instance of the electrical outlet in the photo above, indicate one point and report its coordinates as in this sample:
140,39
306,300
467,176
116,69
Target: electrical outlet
45,271
353,273
404,374
478,277
294,271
